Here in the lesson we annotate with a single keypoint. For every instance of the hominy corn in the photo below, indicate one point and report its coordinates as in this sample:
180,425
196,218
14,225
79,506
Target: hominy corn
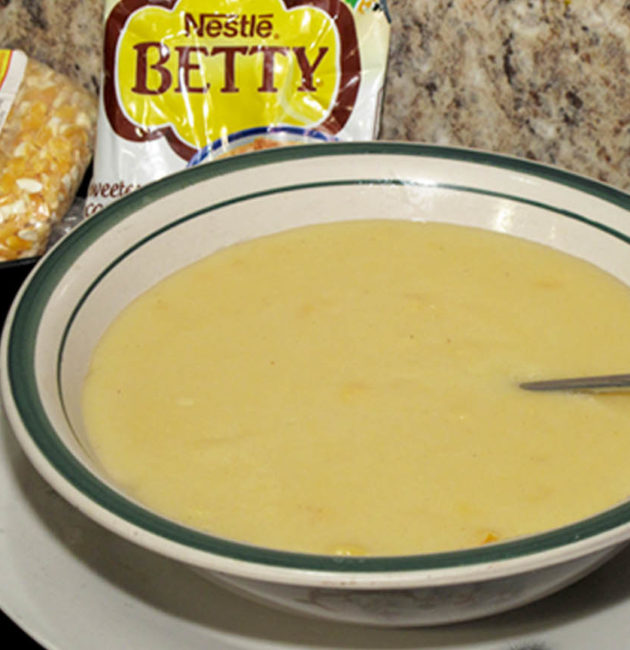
45,146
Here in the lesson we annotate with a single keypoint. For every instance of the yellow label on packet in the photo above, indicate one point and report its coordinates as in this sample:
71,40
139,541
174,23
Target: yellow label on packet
193,71
229,68
5,59
12,67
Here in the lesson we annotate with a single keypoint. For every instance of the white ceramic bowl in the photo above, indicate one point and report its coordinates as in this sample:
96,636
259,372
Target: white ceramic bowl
83,283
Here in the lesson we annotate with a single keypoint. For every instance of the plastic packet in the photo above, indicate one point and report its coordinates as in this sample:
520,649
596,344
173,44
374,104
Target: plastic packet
188,81
47,127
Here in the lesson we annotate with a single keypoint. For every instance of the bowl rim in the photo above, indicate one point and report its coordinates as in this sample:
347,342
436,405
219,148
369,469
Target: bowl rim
76,483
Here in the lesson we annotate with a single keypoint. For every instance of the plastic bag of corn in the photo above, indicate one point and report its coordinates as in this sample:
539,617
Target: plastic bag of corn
47,126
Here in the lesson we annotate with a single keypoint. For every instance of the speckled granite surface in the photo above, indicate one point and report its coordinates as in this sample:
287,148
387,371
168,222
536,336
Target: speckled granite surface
66,34
544,79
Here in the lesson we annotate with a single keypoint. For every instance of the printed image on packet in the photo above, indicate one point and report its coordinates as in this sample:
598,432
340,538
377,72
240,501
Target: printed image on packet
189,81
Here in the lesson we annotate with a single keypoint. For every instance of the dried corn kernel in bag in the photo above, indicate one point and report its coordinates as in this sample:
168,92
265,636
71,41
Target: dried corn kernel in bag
47,127
187,81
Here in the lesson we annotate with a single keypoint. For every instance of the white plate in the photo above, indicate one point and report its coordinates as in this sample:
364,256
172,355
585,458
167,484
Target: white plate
73,586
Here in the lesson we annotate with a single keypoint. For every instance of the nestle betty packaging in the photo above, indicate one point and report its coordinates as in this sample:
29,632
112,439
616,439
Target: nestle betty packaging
188,81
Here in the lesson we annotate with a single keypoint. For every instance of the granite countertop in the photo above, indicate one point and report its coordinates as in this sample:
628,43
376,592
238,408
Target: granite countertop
65,34
544,79
548,80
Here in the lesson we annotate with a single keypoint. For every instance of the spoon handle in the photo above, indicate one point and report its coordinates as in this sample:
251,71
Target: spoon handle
601,382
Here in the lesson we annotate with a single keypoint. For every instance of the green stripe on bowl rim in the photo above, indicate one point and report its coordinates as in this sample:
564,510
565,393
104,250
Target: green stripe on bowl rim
23,331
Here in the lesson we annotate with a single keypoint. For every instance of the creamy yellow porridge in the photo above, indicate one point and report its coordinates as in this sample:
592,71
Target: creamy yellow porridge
352,388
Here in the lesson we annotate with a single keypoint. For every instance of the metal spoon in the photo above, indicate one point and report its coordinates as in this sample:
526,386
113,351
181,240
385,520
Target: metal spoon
598,383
